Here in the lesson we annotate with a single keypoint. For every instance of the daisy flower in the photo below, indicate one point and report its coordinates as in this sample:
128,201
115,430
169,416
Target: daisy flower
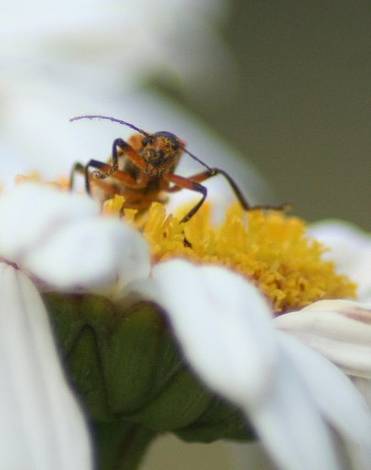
117,295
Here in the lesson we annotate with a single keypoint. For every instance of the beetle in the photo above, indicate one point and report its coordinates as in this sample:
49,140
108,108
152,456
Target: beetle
144,167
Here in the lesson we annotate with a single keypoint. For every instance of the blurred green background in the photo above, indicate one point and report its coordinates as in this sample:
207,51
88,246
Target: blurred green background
298,103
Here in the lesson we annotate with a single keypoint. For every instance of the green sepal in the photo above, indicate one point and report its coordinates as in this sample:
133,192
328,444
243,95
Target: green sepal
180,403
130,357
221,420
126,366
84,366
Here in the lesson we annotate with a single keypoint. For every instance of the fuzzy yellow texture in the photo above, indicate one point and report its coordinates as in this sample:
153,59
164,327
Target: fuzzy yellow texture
269,248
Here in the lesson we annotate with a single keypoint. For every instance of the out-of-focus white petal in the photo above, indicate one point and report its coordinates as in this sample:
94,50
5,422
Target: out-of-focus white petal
41,426
364,386
350,249
345,240
290,423
362,275
61,240
30,212
361,460
340,330
223,325
75,41
91,254
334,394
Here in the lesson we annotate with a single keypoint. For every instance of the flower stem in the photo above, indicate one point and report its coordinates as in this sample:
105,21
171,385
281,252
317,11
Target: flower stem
121,445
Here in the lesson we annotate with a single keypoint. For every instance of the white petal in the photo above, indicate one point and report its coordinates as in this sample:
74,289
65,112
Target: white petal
340,330
361,459
335,395
346,241
91,254
290,423
41,426
364,386
62,240
223,325
350,249
30,212
361,274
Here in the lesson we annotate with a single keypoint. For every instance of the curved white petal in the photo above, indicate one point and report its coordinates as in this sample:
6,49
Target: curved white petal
61,240
223,325
91,254
290,424
340,330
29,213
41,426
336,397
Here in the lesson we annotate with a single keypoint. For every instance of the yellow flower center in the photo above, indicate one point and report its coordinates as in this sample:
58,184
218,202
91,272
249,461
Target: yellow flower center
270,248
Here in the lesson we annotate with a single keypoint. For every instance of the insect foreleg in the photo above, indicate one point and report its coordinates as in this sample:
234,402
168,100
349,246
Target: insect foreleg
188,183
129,152
205,175
77,168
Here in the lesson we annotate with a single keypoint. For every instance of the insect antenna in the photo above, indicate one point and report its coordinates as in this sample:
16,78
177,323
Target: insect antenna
119,121
197,159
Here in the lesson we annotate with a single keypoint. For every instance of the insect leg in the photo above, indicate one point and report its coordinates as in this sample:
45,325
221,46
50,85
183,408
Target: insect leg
198,178
77,168
84,169
105,170
204,175
128,150
186,183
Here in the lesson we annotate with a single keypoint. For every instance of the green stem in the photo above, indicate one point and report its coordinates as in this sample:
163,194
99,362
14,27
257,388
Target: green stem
121,445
